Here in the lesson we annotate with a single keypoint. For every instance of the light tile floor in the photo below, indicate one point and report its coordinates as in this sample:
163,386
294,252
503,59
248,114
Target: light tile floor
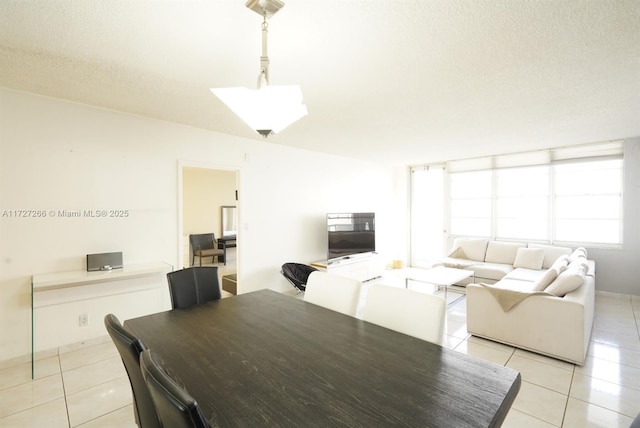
86,385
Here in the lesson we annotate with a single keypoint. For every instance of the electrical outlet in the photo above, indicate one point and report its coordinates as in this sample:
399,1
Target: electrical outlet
83,320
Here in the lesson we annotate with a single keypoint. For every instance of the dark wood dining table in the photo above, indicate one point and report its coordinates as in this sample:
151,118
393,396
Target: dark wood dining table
265,359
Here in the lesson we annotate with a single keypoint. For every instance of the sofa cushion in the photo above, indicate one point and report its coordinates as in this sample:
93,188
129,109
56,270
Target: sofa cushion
543,281
515,284
523,274
502,252
494,271
474,248
566,282
551,253
530,258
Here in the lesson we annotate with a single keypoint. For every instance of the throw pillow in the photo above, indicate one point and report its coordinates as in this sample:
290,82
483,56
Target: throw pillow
529,258
566,282
551,253
458,253
547,278
474,248
561,264
577,253
502,252
580,263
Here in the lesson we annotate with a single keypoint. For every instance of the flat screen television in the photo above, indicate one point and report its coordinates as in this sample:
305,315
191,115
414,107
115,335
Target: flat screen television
350,234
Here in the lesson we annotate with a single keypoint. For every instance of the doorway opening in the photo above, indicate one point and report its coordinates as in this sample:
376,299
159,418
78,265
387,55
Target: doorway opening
206,195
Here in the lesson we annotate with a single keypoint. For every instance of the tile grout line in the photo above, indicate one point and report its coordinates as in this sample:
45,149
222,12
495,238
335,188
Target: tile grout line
548,389
64,390
567,395
566,404
602,407
99,417
635,317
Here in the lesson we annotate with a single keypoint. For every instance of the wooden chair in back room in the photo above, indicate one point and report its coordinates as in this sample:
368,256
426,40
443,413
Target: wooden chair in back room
206,245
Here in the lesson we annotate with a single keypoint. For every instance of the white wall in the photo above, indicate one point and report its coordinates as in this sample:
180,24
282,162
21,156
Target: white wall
205,191
56,155
618,271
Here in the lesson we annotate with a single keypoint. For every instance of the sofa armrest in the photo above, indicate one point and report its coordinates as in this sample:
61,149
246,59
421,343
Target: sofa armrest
556,326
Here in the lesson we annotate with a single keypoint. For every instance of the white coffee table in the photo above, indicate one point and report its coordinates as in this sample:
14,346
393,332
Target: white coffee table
440,276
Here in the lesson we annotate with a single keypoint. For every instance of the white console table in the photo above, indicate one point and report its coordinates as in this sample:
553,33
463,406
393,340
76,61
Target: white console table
82,285
361,267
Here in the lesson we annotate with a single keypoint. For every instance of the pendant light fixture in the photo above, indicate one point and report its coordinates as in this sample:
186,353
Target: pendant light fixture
269,108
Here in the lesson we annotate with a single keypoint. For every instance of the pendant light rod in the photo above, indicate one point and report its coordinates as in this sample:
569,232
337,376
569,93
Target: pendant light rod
263,77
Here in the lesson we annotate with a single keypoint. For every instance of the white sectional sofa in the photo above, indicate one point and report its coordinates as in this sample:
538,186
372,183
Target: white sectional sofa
535,297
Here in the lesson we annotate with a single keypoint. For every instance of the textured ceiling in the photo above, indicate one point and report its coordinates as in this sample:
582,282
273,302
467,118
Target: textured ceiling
400,82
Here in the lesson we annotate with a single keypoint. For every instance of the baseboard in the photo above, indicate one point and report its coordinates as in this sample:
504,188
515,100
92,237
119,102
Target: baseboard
617,295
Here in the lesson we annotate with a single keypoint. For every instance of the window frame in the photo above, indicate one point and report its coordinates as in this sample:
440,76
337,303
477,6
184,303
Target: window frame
552,205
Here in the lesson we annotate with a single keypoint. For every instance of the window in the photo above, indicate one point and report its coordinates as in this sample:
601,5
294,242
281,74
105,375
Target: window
471,203
569,202
570,195
522,203
588,202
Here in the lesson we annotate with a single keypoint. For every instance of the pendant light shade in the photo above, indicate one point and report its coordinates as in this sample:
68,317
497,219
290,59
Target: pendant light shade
268,109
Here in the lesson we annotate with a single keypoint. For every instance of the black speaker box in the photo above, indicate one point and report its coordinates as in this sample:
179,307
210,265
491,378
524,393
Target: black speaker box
104,261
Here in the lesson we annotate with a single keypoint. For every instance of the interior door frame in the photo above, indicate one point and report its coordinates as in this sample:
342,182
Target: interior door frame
212,166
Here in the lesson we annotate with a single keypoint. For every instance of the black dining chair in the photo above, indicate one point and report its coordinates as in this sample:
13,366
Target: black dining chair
130,348
206,245
175,406
194,285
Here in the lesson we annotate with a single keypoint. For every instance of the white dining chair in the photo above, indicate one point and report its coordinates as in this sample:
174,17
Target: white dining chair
406,311
333,292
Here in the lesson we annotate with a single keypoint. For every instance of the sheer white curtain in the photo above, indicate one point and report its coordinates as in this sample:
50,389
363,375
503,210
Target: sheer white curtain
427,214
